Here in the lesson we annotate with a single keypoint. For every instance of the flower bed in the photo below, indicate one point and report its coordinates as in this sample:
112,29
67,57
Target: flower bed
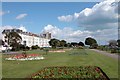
27,57
57,51
71,72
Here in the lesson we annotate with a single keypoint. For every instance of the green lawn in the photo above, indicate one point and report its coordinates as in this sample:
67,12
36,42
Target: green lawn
21,69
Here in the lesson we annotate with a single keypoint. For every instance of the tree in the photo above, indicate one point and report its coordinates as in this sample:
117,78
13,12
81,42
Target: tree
13,39
112,43
62,43
94,45
74,44
90,41
54,43
81,44
113,46
1,42
118,41
35,47
68,45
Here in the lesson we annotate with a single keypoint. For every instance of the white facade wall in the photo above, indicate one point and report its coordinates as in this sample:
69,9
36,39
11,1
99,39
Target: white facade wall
33,40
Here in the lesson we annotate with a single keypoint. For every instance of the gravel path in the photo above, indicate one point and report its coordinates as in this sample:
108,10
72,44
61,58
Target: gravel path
115,56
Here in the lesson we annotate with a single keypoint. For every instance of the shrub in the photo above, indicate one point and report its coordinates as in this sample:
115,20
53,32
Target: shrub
80,47
35,47
22,47
94,45
27,48
113,51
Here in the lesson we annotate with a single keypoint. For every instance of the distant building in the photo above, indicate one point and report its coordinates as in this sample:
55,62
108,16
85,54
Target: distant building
30,38
46,35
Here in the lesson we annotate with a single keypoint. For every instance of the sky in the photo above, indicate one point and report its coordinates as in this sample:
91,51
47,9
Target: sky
72,21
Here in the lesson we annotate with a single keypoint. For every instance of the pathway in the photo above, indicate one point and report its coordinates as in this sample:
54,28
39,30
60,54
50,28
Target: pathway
115,56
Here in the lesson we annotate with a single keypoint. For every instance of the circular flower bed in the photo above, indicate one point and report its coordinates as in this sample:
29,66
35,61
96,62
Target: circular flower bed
25,57
91,72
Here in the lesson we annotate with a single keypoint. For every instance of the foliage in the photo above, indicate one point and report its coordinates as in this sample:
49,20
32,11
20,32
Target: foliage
54,43
118,41
113,46
81,44
71,72
68,45
113,50
13,39
1,42
10,68
94,45
74,44
22,47
112,43
62,43
27,48
35,47
80,47
90,41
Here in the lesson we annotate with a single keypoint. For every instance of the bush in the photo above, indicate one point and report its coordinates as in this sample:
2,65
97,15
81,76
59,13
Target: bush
80,47
27,48
113,50
22,47
35,47
94,46
41,48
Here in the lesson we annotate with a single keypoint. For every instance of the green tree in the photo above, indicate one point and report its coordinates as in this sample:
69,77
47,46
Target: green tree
62,43
54,43
94,45
112,43
90,41
13,39
1,42
81,44
118,41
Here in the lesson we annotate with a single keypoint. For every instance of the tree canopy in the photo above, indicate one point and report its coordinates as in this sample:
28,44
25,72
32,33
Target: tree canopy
13,39
81,44
54,43
1,42
62,43
90,41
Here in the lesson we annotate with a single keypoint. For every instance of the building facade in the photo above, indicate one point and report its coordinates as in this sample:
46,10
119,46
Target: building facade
31,39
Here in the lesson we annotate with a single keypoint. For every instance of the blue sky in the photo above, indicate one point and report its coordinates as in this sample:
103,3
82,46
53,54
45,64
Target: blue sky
41,14
72,21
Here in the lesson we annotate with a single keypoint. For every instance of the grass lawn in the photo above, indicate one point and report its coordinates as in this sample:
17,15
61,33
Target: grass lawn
22,69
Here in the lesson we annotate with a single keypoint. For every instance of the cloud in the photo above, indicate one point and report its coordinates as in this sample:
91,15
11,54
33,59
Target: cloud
4,12
101,16
66,33
20,16
21,27
67,18
4,27
71,35
52,29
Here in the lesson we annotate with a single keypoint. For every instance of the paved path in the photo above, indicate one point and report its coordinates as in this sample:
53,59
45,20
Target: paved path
115,56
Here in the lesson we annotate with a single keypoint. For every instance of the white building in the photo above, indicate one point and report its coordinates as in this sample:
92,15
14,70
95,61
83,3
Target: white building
31,39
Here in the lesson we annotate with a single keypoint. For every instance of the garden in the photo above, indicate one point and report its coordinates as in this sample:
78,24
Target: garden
54,60
88,72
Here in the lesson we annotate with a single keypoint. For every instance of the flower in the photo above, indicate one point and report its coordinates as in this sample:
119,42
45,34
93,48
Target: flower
28,57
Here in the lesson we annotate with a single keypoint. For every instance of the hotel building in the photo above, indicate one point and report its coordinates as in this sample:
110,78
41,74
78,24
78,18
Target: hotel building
31,39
